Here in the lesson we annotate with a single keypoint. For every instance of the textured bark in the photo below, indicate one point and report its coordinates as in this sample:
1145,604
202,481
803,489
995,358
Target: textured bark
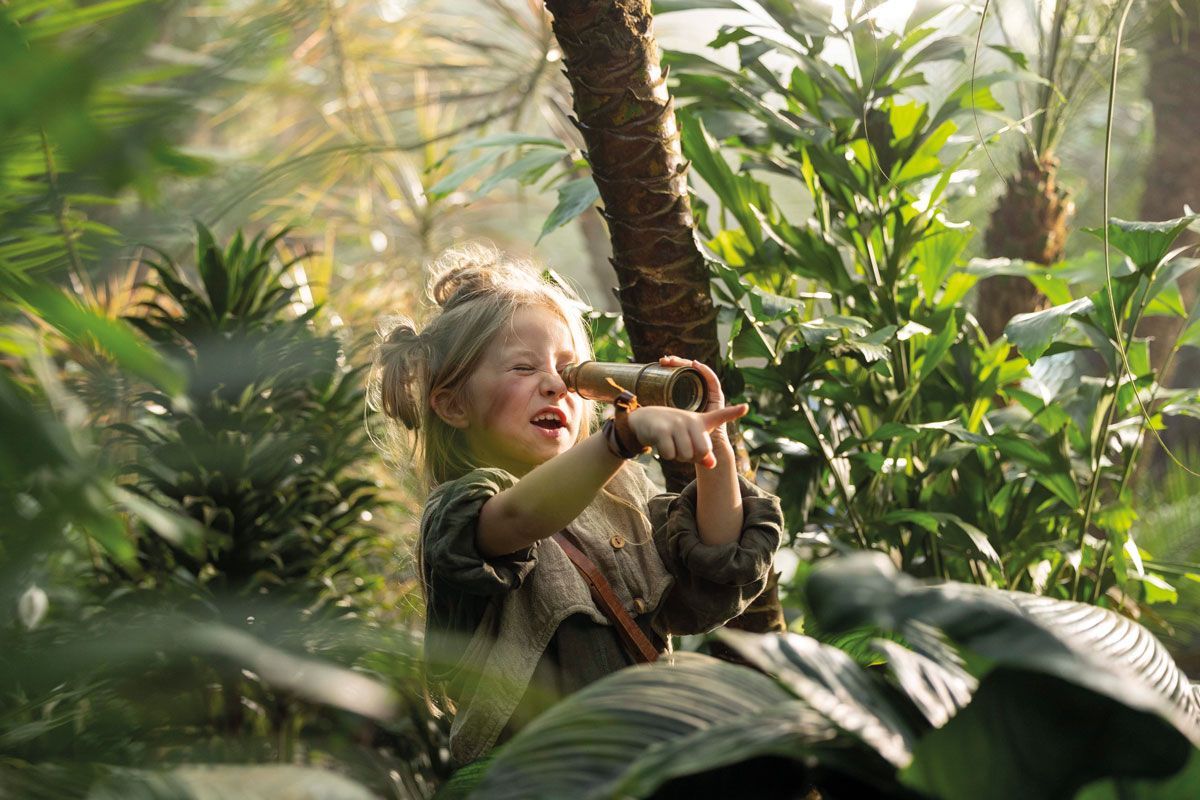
1029,223
627,119
1173,181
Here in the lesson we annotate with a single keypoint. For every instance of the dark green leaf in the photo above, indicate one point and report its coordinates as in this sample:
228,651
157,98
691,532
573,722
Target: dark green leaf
602,730
1144,242
85,327
574,198
1033,332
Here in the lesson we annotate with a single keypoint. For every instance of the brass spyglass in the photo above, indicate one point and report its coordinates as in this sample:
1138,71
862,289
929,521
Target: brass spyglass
654,385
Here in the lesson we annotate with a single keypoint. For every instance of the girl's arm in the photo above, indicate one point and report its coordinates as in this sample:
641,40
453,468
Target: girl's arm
553,494
718,497
719,514
546,499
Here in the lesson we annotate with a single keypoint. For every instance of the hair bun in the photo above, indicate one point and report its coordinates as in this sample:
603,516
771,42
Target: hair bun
399,361
465,271
396,329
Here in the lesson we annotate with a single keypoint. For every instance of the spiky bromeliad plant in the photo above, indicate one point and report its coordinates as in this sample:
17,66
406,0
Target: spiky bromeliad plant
102,701
262,446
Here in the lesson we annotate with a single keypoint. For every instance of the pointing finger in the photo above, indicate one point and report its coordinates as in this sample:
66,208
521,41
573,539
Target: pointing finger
720,416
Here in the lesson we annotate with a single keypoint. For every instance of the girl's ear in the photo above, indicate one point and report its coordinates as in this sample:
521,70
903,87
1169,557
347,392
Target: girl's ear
448,407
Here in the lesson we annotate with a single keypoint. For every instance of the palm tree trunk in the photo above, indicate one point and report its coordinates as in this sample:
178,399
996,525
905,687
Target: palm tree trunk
1029,223
627,119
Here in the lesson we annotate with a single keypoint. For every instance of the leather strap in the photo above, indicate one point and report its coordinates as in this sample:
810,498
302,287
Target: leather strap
632,636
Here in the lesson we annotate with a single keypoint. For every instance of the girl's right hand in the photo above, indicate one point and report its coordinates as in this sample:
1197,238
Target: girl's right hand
679,435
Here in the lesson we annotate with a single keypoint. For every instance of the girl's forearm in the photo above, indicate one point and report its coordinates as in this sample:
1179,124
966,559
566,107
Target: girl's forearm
546,499
719,498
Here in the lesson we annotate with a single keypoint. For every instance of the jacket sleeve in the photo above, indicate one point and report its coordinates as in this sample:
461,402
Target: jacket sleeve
713,583
460,581
452,559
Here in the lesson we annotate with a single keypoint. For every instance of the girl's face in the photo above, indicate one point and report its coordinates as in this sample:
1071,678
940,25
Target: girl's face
517,381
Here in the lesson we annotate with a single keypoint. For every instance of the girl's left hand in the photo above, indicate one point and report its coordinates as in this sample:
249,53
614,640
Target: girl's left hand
716,397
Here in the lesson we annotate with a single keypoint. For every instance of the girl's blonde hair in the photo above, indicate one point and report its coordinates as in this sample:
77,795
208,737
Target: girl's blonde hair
478,292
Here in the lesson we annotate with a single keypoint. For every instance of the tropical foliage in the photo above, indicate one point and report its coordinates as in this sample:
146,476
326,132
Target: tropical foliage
919,433
204,564
259,446
891,422
983,700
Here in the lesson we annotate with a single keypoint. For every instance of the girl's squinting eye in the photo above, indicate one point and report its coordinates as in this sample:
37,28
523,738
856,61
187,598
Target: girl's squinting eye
523,366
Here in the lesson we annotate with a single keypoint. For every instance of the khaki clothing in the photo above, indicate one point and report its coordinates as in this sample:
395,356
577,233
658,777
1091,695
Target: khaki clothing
526,620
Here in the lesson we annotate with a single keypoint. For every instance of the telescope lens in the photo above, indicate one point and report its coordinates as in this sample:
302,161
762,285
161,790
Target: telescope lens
685,393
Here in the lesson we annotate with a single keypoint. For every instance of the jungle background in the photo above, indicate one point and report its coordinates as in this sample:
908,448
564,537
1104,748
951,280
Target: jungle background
905,233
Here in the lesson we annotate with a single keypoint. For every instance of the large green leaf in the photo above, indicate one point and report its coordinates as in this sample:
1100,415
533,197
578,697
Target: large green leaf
586,744
574,198
938,688
831,682
1118,640
1184,785
1042,665
1036,736
1146,243
937,251
792,730
1032,333
88,328
227,781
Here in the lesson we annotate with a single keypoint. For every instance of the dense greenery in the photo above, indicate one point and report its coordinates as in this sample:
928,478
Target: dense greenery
897,425
258,447
985,701
201,596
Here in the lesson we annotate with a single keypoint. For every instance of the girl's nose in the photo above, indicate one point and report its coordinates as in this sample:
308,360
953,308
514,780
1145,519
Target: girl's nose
555,386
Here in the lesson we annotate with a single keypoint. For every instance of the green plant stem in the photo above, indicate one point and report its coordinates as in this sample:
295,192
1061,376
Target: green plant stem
1120,363
1101,557
1094,482
843,490
1129,461
939,564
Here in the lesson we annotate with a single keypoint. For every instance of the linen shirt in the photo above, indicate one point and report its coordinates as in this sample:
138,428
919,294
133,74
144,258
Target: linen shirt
510,636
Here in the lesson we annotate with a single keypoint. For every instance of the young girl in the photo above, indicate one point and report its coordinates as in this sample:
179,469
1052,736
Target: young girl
512,457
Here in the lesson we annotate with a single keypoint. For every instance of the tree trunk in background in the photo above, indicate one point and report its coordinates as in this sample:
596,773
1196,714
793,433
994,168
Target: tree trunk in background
627,119
1172,181
1029,223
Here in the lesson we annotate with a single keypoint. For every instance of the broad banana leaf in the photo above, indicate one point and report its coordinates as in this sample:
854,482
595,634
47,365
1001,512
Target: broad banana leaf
1000,695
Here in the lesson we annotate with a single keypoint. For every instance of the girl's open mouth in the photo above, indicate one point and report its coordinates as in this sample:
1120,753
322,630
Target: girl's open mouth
551,421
